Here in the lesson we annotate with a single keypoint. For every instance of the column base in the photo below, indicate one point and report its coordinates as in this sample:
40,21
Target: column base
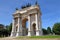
38,33
13,34
29,33
19,34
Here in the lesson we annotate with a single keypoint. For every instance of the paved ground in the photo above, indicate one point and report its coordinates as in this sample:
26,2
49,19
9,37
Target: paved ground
14,38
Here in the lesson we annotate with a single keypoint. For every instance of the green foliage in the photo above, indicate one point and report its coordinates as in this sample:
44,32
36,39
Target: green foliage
9,28
1,26
4,33
45,32
56,28
49,30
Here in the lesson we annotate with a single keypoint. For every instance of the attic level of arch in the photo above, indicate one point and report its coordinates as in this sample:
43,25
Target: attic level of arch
26,11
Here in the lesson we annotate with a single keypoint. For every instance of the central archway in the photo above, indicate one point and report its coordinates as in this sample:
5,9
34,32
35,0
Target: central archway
25,29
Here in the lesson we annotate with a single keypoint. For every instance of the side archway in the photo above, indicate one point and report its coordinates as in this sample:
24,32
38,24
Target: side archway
34,29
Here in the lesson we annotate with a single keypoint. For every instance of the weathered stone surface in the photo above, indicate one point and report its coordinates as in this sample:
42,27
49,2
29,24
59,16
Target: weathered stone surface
31,14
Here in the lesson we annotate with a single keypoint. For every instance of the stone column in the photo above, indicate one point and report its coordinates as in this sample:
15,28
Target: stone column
37,27
40,25
19,29
29,28
13,33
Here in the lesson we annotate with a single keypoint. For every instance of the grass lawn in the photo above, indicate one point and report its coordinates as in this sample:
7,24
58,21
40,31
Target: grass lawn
48,36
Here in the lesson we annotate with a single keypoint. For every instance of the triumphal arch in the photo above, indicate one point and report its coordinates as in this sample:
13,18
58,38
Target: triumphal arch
31,14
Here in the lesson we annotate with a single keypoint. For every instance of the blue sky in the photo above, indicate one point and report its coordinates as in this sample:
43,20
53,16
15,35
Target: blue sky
50,10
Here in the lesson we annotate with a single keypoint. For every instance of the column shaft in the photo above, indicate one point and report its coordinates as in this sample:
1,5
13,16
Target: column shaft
19,29
37,27
40,26
13,33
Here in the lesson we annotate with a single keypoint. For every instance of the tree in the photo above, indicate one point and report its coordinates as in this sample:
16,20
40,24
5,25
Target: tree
44,31
5,32
9,28
1,26
0,32
49,30
56,28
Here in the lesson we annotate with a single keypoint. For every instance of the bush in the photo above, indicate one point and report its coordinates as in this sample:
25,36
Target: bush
45,32
56,28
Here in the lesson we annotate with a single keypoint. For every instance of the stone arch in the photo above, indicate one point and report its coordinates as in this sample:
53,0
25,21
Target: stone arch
24,26
34,29
33,16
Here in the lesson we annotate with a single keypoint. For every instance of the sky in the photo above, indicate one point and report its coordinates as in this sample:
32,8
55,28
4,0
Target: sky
50,10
